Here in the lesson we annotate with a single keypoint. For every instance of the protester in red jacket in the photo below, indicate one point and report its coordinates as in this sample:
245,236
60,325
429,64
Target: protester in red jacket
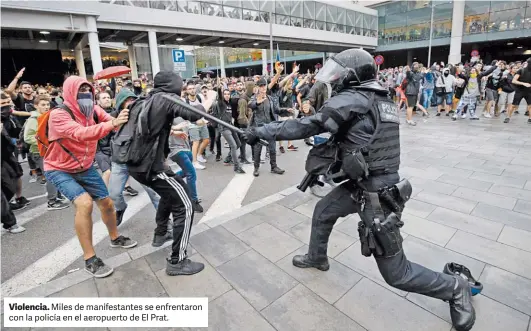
68,165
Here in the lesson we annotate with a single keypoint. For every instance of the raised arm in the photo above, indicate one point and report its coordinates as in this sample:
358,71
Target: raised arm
13,85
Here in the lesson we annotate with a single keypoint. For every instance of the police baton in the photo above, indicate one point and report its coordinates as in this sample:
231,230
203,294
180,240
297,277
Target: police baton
210,117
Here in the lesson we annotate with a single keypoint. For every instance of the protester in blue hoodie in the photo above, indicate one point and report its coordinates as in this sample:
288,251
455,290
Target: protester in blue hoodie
428,84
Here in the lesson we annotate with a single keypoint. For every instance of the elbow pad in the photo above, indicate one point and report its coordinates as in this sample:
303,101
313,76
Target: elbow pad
331,120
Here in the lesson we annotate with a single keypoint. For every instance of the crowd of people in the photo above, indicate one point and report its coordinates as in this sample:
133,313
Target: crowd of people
66,136
457,89
70,150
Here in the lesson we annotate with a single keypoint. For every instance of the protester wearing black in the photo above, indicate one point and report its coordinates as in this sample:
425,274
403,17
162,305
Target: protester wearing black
222,109
244,117
413,78
264,109
156,174
10,174
364,124
522,82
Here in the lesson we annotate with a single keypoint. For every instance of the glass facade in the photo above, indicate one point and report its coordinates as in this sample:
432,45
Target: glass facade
302,14
404,21
209,56
496,16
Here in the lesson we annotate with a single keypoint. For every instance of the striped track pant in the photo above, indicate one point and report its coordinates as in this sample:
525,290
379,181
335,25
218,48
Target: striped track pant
174,200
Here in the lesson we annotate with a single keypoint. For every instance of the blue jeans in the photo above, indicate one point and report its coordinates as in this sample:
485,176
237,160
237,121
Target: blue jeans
119,176
72,185
184,160
426,95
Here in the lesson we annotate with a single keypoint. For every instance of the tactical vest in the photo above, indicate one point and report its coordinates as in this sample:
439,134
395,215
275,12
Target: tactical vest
382,153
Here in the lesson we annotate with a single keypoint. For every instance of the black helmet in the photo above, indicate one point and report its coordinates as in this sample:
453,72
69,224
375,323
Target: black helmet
348,68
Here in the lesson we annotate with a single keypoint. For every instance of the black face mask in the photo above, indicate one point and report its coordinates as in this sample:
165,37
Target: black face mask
5,113
446,73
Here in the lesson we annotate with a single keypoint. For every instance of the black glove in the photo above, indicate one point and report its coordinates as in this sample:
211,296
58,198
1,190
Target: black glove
250,136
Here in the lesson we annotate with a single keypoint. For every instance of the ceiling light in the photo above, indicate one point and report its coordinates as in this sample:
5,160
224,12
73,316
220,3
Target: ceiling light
520,47
221,42
509,44
255,44
44,41
179,39
44,32
71,50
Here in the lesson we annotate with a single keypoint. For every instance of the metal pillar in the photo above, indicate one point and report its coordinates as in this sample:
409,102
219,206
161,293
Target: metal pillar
222,62
94,44
271,39
264,62
153,52
80,62
458,17
132,61
431,34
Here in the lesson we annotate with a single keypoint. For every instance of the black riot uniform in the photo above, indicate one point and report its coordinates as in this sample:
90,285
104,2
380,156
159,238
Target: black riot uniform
365,149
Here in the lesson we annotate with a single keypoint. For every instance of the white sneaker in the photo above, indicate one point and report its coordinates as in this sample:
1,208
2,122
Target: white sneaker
463,116
16,229
487,115
199,166
201,159
33,179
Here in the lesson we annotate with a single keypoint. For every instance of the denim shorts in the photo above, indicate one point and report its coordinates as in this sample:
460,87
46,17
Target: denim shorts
198,133
72,185
447,97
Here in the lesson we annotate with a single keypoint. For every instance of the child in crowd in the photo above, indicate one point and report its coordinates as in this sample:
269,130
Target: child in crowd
42,105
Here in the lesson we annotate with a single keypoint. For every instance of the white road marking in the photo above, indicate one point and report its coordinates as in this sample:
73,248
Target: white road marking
47,267
29,215
232,196
38,196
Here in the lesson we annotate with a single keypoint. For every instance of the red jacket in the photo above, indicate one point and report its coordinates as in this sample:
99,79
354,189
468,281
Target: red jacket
80,137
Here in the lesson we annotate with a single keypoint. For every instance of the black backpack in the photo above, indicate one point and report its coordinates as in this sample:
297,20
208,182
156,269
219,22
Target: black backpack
134,142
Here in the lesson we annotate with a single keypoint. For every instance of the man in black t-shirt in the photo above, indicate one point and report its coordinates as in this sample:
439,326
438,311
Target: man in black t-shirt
522,82
24,100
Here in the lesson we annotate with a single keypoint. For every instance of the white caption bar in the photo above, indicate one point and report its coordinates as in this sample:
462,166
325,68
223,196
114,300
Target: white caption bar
105,312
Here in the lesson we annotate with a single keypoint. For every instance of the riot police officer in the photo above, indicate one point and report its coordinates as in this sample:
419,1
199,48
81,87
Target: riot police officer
364,153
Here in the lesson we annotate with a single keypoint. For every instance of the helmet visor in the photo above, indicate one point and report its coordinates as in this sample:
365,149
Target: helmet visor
332,72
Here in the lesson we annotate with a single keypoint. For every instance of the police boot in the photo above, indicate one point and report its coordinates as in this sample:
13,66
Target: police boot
457,269
304,261
461,310
256,172
274,168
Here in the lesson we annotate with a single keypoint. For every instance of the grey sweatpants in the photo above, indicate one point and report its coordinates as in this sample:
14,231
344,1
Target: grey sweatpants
234,143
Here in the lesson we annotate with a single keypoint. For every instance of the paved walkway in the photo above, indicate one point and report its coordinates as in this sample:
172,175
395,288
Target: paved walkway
471,205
